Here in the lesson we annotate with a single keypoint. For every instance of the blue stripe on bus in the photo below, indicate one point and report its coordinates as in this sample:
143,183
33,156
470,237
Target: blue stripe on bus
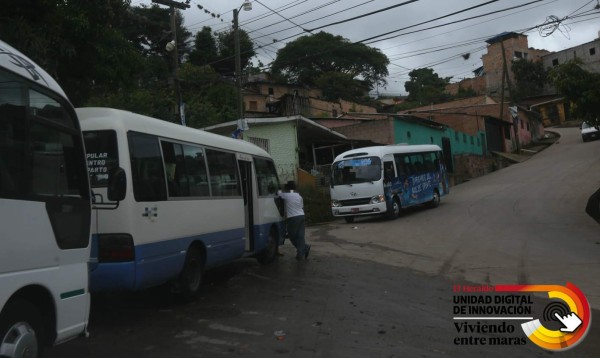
159,262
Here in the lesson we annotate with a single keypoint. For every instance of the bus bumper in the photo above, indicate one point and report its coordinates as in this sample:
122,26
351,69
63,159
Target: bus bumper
369,209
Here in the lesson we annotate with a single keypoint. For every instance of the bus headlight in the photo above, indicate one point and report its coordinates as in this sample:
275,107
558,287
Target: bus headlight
378,199
335,204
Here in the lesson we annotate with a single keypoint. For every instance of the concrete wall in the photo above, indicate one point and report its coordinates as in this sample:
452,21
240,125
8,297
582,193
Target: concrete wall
323,109
282,143
588,53
414,133
463,143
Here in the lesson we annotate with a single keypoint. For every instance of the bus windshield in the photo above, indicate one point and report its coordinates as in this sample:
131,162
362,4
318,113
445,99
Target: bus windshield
356,170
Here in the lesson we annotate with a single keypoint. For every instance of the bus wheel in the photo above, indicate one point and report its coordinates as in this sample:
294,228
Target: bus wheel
349,219
396,209
435,202
21,331
190,279
269,254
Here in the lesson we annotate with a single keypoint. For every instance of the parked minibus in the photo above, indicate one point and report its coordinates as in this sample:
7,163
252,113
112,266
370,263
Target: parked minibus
188,200
383,180
45,211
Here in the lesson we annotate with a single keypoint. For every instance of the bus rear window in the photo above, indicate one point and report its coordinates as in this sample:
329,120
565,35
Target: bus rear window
102,155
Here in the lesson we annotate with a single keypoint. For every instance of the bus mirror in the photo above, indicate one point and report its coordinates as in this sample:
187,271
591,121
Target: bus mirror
117,185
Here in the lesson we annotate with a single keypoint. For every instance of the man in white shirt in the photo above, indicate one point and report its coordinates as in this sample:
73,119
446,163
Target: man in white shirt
294,212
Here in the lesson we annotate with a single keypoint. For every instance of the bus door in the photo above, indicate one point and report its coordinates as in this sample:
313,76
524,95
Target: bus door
245,165
389,173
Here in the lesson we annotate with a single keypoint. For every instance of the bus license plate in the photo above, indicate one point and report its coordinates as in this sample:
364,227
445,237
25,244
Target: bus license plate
354,210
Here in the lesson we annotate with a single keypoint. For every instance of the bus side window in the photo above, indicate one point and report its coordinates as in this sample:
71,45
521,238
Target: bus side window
13,150
177,180
195,164
222,167
148,175
429,162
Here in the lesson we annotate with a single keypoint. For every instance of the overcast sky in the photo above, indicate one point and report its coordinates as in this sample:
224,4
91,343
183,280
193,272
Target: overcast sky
272,23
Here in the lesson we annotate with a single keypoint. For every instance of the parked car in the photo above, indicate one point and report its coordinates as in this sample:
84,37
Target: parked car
589,132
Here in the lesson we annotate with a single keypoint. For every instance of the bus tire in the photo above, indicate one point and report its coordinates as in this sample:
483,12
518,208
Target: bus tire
21,330
435,201
349,219
270,253
396,209
192,274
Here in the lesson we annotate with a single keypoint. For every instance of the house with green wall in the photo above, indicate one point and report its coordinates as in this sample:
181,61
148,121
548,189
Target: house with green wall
293,142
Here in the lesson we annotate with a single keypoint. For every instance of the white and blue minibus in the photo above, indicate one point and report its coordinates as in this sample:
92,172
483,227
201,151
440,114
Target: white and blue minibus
386,179
45,211
189,200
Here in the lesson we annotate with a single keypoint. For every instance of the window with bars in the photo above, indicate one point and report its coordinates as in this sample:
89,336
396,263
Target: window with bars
260,142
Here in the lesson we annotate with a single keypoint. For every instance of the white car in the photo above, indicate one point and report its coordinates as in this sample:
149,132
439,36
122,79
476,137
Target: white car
589,132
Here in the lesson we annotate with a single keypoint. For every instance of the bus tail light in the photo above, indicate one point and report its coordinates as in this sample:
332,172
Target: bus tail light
115,248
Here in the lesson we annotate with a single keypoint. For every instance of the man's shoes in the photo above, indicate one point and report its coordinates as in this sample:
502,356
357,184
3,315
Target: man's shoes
307,251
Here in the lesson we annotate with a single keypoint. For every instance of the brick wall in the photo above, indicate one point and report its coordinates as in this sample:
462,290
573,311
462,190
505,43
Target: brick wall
351,107
380,131
477,84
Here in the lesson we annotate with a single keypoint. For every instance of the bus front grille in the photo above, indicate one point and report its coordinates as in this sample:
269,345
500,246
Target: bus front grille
354,202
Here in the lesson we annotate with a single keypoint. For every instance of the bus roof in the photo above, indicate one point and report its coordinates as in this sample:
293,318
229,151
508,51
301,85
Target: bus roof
96,118
16,62
381,150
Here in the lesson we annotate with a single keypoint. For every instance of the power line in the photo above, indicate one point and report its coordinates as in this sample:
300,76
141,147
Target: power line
285,18
370,39
365,15
317,19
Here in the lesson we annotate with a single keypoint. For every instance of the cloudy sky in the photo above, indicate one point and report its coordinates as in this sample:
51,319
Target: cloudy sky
413,34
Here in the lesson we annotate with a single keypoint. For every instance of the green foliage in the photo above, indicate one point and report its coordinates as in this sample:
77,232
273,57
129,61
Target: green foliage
580,87
219,51
530,78
208,100
317,205
205,48
309,58
466,93
337,85
426,87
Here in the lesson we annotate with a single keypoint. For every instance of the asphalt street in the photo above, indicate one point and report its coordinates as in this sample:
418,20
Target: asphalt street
381,288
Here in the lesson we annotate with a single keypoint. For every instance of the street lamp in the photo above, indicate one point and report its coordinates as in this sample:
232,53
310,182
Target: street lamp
247,6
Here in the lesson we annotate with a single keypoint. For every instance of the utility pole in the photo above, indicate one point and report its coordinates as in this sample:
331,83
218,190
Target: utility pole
505,75
238,64
182,6
247,6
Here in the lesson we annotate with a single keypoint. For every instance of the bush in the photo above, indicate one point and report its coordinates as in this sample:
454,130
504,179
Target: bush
317,204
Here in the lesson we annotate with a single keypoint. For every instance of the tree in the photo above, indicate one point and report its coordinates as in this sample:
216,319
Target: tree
209,100
148,28
78,42
426,87
219,51
205,48
530,78
580,87
340,85
311,59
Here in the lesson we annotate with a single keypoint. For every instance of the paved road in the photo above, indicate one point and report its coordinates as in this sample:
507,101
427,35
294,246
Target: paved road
522,224
379,288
